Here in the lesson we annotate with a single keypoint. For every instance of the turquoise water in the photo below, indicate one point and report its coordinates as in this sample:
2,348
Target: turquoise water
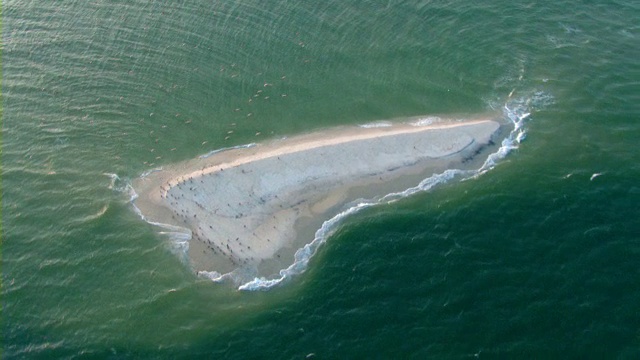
536,258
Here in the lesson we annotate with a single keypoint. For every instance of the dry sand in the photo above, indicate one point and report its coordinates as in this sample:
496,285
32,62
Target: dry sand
252,207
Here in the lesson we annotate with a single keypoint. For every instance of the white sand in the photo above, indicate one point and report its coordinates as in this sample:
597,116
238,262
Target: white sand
243,205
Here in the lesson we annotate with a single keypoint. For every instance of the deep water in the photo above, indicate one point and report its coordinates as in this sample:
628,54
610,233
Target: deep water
536,258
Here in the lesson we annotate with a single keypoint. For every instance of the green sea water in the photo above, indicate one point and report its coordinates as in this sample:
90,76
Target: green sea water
537,258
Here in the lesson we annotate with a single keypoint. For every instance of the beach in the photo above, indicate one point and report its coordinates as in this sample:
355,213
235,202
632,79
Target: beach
251,207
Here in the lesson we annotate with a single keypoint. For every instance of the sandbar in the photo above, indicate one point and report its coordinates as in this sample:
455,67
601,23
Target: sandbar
252,207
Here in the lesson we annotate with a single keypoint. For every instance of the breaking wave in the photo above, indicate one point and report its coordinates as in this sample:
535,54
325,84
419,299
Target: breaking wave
426,121
179,236
213,152
376,124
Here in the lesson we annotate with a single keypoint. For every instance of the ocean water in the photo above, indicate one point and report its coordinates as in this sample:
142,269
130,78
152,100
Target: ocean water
536,258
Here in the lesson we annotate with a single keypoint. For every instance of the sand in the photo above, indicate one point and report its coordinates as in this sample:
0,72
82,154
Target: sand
252,207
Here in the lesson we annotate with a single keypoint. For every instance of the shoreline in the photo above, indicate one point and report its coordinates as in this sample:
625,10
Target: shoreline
253,207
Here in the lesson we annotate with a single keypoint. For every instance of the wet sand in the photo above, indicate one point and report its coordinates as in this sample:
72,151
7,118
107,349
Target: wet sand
253,207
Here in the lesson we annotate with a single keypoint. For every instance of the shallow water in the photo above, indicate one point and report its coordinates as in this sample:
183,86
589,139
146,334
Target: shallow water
536,258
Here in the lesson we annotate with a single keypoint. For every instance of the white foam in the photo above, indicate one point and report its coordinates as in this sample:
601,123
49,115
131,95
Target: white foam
122,186
429,120
377,124
213,152
148,172
304,254
179,236
214,275
114,178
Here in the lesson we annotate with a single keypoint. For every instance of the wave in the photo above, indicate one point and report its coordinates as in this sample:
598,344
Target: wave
92,217
516,110
426,121
213,152
376,124
180,236
149,172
